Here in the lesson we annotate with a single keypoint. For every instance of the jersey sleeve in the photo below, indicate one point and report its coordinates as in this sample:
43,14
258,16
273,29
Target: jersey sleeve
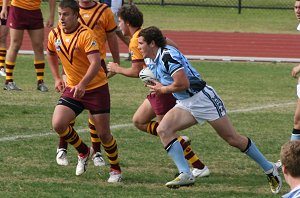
89,43
50,44
110,24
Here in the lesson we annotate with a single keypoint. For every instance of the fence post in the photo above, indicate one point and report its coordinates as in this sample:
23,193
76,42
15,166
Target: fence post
162,2
240,6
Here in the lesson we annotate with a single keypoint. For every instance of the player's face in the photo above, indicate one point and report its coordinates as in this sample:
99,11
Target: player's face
144,48
297,9
124,27
68,19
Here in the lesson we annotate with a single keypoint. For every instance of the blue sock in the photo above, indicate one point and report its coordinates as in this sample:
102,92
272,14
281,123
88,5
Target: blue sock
295,134
253,152
295,137
175,151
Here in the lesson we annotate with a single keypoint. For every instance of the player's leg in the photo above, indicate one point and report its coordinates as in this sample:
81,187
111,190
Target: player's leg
63,115
109,143
62,150
225,130
143,116
174,120
37,41
158,106
296,130
98,103
96,144
16,38
3,39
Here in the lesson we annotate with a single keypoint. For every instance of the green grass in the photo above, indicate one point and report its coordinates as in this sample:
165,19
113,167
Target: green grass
195,18
28,167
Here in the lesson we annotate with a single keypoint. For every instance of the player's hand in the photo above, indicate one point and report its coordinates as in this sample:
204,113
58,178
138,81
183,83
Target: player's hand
112,67
78,91
50,23
155,87
295,71
59,85
3,14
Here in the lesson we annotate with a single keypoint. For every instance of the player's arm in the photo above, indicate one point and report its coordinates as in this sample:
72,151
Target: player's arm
180,83
95,65
3,14
113,45
52,5
295,71
132,71
53,64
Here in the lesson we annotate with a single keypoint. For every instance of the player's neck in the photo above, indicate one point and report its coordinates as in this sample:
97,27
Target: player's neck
72,29
87,4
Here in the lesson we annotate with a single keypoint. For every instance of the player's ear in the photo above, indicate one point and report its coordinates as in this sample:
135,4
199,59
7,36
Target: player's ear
284,169
152,44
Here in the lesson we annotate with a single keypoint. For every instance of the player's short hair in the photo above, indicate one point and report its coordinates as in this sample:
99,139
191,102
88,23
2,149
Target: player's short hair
152,33
132,15
70,4
290,157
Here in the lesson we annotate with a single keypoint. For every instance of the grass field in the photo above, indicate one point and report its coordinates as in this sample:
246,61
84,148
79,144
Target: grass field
195,18
260,98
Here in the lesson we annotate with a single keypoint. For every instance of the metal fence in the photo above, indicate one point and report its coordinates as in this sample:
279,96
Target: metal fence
238,4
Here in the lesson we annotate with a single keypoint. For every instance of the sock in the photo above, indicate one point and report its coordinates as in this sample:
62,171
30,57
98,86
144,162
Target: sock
96,142
9,71
111,150
295,134
151,128
253,152
189,155
2,57
62,143
71,136
175,151
39,69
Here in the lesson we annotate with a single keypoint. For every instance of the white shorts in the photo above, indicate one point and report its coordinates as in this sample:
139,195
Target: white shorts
204,106
298,90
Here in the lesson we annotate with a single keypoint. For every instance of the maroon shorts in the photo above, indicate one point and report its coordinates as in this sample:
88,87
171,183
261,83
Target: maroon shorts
3,21
161,104
22,19
97,100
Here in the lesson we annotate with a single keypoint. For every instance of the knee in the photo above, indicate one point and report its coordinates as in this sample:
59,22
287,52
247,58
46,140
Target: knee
161,131
297,122
137,123
59,127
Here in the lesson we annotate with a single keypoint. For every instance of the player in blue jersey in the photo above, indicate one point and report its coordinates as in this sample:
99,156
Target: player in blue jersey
196,103
290,157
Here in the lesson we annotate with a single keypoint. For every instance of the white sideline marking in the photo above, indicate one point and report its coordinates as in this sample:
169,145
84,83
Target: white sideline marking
13,138
262,107
211,58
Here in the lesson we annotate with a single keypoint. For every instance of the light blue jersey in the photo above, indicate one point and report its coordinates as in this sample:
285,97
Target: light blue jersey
295,193
168,61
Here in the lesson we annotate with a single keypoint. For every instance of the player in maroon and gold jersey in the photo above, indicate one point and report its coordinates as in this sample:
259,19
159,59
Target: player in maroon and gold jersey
3,38
86,86
99,18
26,15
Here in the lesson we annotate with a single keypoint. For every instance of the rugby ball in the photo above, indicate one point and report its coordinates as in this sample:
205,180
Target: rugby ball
146,75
